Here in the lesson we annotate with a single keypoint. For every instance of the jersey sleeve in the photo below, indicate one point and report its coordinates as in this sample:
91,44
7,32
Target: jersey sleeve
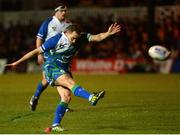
85,37
43,30
50,43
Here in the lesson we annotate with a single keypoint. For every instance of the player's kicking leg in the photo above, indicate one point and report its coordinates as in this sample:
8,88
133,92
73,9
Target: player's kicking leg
69,86
92,98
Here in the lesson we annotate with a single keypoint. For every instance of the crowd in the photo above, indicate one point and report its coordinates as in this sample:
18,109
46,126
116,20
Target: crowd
18,5
120,3
131,42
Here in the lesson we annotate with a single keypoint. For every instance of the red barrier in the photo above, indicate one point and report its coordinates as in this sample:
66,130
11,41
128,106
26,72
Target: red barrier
102,65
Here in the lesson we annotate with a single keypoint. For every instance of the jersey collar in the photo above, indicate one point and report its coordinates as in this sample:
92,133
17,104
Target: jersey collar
56,19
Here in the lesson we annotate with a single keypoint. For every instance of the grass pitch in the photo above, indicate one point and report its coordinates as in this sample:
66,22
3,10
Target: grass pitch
134,103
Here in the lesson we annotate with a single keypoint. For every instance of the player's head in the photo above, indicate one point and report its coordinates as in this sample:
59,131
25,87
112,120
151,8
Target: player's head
60,11
73,32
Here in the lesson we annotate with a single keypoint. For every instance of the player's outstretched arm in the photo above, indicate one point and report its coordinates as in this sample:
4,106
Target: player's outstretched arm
113,29
26,57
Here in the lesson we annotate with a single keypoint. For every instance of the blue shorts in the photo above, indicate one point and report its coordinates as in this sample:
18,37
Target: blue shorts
52,72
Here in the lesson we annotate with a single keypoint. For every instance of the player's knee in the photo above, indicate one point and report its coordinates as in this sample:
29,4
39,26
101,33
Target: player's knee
70,83
66,97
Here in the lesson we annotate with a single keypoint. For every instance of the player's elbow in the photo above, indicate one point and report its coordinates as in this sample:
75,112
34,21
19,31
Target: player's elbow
96,39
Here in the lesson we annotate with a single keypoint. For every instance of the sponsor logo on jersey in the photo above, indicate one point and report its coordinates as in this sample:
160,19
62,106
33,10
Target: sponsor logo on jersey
54,28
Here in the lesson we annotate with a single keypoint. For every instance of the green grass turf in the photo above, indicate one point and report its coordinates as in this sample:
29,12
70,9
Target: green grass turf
134,103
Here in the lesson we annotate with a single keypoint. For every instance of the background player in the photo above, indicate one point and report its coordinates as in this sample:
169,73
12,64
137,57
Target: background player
48,29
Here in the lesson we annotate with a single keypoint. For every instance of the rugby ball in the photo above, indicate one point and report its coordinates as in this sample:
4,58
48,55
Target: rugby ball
159,52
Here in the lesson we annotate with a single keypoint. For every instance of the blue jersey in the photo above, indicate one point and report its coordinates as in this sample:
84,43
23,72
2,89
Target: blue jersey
60,50
60,53
50,28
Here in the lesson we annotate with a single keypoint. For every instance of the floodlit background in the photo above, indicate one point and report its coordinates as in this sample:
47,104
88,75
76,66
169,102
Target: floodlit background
144,23
143,95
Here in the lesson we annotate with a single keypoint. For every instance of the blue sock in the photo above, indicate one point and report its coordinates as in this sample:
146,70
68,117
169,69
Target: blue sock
40,88
60,111
80,92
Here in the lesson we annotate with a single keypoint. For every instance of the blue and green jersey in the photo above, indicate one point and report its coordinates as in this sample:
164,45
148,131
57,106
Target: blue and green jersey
59,52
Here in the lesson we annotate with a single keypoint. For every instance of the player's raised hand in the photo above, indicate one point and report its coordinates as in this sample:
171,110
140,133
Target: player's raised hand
114,28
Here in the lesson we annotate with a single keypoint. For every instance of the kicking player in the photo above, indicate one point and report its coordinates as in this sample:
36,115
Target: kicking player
48,29
61,49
